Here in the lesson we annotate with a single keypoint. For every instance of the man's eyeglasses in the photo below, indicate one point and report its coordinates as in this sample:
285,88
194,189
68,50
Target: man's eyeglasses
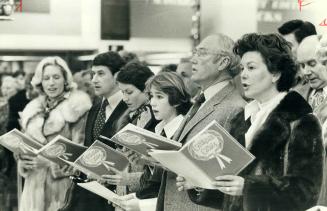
201,52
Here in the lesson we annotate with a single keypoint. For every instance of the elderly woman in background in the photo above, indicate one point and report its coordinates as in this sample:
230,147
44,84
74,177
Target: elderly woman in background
59,110
278,128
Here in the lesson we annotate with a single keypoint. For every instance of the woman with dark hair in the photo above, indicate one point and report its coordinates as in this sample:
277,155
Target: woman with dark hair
131,80
59,110
278,128
169,101
284,136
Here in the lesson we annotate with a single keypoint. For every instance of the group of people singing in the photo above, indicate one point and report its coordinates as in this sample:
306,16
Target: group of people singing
281,124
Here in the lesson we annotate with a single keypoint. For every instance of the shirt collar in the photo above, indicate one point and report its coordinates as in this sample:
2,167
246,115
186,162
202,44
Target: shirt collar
115,99
171,127
254,106
214,89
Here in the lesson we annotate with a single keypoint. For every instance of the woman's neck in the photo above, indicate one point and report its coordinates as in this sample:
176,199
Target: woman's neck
167,120
265,97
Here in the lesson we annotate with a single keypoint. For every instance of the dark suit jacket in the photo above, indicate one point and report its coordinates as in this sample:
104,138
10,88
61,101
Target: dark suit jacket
79,198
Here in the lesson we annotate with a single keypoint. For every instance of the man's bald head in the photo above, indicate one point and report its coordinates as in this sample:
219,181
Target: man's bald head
309,64
307,47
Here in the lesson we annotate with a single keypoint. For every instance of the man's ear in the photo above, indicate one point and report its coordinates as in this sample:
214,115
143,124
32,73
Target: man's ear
223,62
115,76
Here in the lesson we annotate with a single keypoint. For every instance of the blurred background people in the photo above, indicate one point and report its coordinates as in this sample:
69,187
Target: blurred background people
184,69
8,192
83,79
59,110
294,31
8,86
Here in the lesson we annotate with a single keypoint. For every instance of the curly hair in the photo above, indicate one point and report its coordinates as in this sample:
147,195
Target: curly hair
110,59
276,53
172,85
136,74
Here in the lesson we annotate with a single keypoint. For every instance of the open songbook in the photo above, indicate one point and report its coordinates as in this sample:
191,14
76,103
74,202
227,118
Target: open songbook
99,189
141,140
20,143
98,160
211,153
61,148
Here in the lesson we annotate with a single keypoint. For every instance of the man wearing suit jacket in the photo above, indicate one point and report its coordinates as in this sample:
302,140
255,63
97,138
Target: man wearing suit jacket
102,120
214,66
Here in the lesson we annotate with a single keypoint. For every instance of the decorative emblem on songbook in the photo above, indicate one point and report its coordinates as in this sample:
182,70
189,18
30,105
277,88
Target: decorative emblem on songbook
133,139
56,150
17,143
95,157
209,145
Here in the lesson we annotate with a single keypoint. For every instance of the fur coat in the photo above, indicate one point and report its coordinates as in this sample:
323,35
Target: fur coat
45,187
270,185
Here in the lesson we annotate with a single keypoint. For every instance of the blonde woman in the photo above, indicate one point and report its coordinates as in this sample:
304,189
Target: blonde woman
59,110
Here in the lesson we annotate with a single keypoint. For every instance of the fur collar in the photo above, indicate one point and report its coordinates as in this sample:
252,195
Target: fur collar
277,128
68,111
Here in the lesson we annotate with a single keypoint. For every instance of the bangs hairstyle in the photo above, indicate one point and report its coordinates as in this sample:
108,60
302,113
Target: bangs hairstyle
172,85
276,53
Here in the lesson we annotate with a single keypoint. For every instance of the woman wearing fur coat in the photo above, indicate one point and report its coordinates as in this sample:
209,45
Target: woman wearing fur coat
279,129
59,110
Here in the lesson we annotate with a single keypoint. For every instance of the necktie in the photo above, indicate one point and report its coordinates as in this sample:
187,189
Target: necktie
317,99
163,133
197,104
100,120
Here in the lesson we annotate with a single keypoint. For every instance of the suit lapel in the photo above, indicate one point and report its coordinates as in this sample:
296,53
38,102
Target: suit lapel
109,129
206,110
90,122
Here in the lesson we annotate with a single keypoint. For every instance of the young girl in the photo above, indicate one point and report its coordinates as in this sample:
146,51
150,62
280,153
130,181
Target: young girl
170,102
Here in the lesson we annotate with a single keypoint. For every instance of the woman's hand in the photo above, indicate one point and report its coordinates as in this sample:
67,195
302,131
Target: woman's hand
119,178
132,156
59,172
230,184
33,162
128,202
182,184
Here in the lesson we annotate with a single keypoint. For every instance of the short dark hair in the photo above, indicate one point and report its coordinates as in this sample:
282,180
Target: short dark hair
301,29
276,53
18,73
136,74
169,68
172,85
110,59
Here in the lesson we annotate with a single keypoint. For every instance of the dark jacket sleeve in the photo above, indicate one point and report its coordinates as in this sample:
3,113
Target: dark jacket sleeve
299,188
208,198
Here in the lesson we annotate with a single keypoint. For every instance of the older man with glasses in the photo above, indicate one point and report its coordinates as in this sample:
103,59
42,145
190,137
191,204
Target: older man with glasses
213,67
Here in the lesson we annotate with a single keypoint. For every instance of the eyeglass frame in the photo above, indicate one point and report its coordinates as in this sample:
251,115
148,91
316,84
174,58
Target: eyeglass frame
206,52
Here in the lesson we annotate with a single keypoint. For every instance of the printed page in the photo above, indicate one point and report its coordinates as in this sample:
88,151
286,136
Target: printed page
99,189
141,140
178,163
19,143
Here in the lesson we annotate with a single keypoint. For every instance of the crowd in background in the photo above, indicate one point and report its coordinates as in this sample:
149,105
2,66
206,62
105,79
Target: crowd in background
269,91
